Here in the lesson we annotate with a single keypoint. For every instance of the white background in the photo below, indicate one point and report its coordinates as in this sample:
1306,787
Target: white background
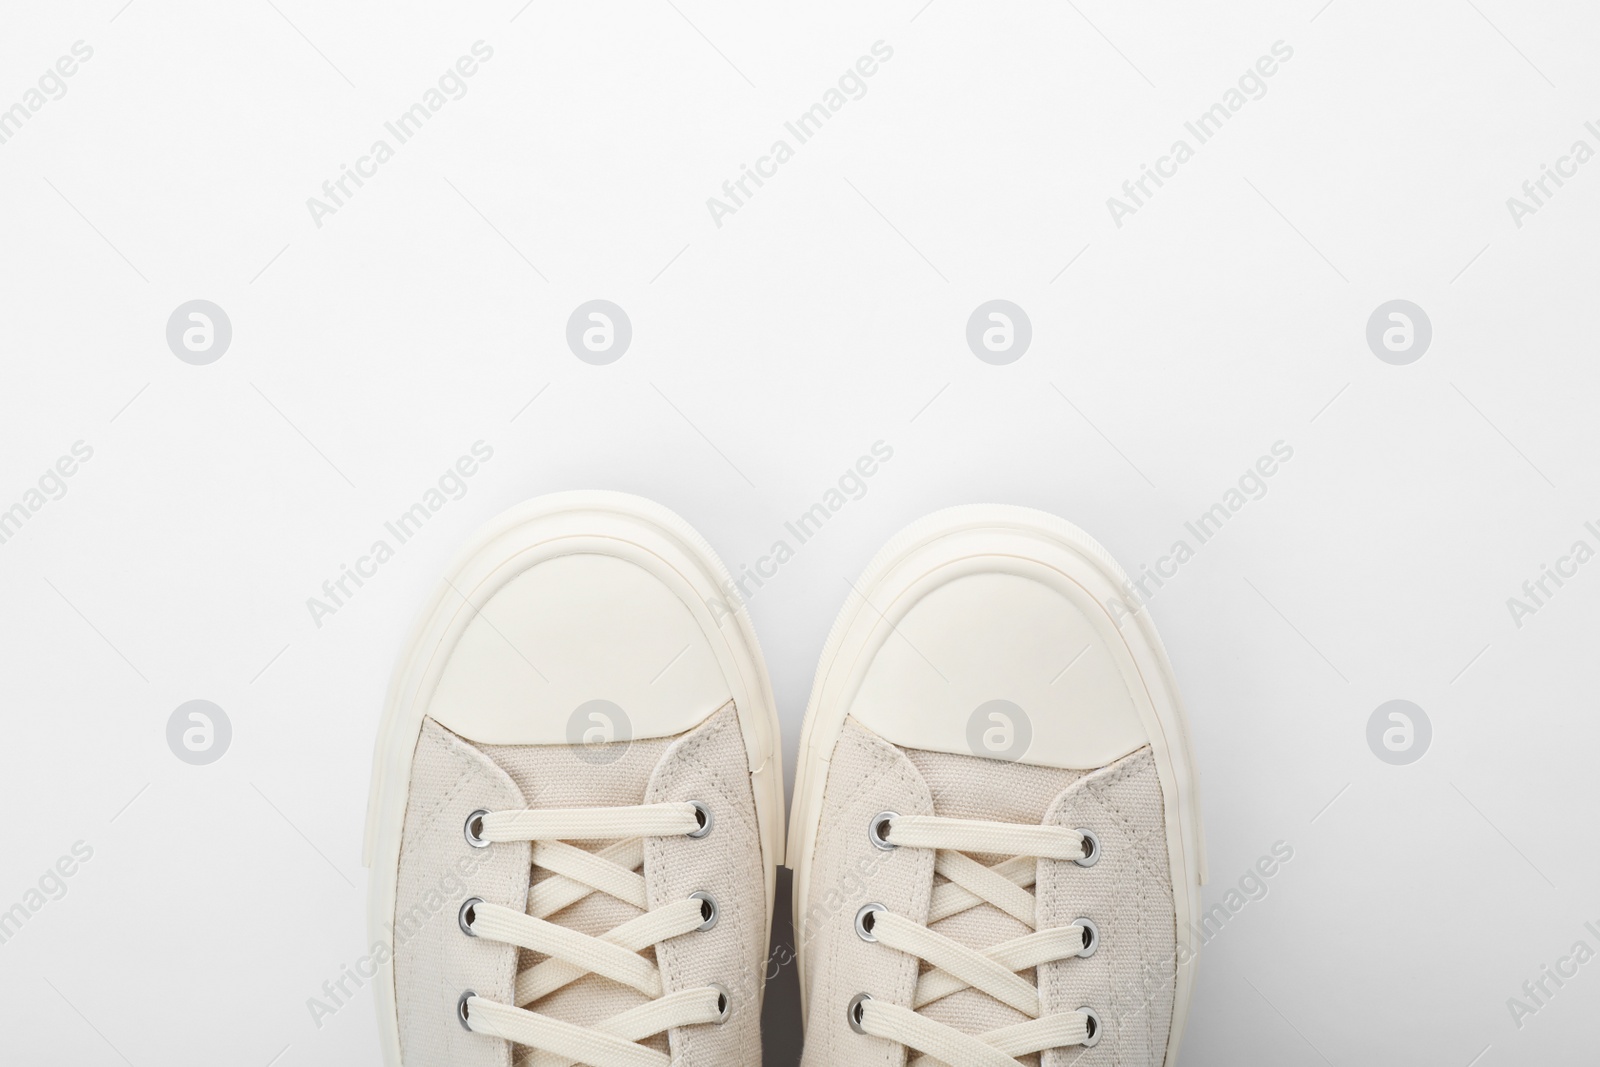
768,354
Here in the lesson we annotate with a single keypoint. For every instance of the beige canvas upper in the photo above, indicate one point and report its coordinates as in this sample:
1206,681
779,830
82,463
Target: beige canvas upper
868,776
1128,894
1131,978
435,961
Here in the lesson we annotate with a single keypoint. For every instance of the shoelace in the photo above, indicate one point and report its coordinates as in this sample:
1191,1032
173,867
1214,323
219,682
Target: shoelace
992,971
575,874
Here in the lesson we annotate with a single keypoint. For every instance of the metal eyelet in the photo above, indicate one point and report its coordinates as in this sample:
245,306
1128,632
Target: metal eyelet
724,1003
1091,937
465,916
1091,849
472,835
703,815
853,1012
878,830
864,921
1096,1028
708,909
461,1010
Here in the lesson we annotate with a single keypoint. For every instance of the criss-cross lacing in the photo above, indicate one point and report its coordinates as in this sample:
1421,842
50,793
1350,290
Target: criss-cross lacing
576,873
993,970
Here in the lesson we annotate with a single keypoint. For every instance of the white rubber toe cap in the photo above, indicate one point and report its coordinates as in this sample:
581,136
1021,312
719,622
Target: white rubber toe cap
1007,659
571,630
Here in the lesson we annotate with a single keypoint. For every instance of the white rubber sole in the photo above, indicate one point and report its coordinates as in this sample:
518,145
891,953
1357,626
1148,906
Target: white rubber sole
956,541
637,529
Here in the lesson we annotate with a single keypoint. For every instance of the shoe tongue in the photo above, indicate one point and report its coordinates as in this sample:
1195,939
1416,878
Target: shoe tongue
589,776
972,787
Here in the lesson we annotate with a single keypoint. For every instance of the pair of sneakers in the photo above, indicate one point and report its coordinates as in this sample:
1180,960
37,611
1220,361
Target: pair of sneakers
577,806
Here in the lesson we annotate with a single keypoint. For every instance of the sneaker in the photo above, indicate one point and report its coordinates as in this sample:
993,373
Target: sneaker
996,838
576,807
